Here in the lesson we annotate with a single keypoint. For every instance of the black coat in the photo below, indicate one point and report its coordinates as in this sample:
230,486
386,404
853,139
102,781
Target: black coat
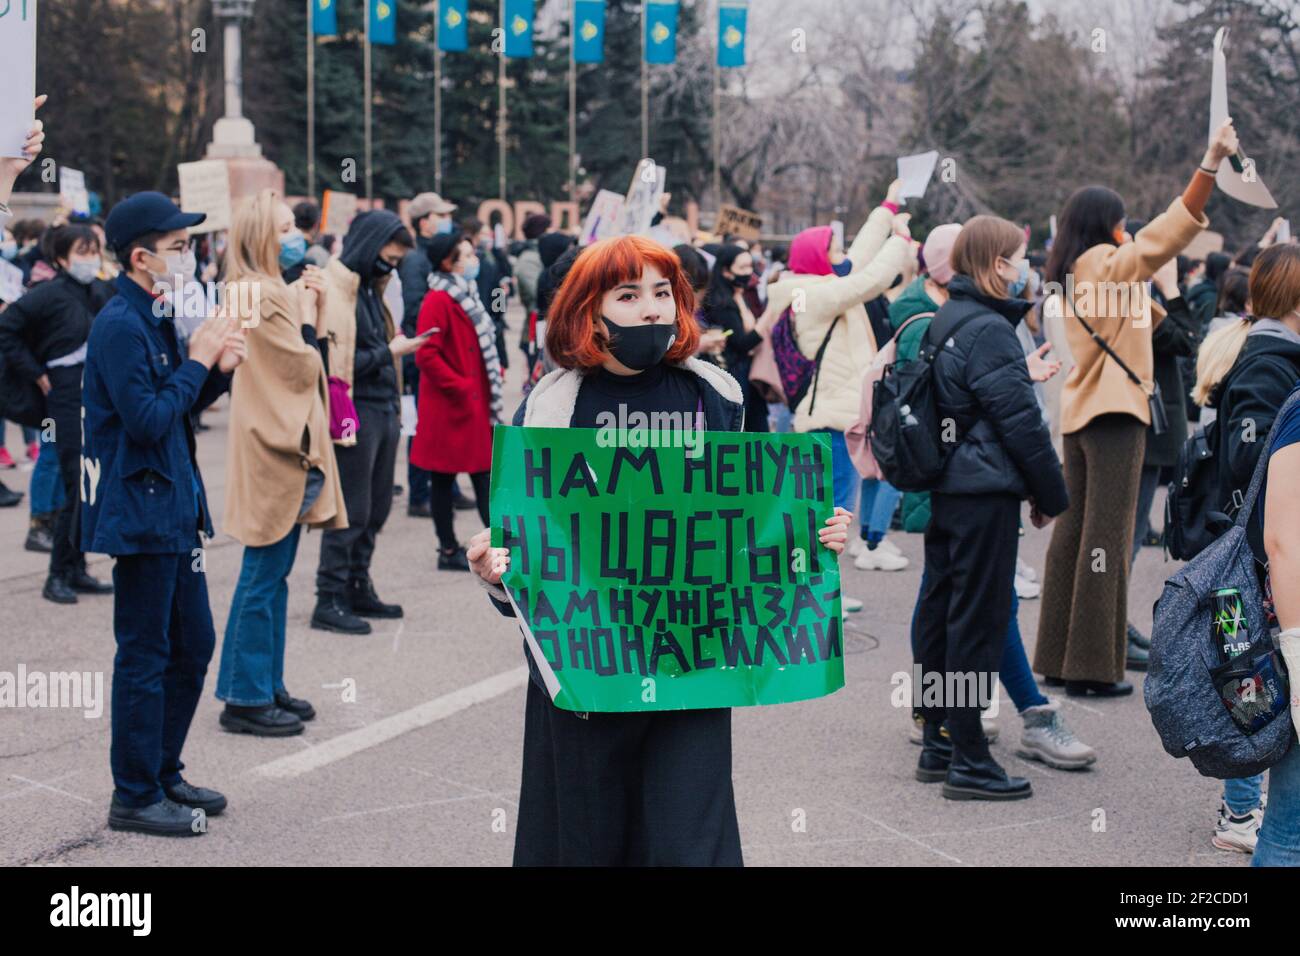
50,321
982,383
1176,338
1248,399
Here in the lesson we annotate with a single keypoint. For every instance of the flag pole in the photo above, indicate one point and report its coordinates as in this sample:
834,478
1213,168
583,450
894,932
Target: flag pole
573,102
370,193
437,100
311,104
717,125
645,89
501,110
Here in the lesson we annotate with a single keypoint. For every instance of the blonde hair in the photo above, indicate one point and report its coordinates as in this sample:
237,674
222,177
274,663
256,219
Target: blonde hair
1216,356
253,250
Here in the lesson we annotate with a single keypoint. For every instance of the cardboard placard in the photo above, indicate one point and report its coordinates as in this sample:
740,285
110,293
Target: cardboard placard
642,200
17,74
337,212
738,222
205,188
602,217
72,191
915,172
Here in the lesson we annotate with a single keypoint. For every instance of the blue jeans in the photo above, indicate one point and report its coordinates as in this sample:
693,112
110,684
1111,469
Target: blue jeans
252,654
163,627
1013,670
1242,795
1279,837
879,502
846,477
47,483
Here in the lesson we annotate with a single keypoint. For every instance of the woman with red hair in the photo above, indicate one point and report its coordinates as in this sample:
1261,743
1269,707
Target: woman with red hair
650,788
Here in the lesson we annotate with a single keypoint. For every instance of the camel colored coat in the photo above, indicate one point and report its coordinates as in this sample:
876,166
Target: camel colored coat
279,428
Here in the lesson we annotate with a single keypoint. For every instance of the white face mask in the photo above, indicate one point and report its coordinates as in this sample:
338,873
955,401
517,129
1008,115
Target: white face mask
179,270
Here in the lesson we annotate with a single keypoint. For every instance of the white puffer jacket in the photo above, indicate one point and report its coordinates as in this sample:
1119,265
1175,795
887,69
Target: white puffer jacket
877,259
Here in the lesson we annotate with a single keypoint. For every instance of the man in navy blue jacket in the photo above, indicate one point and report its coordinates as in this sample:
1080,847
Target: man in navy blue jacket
142,501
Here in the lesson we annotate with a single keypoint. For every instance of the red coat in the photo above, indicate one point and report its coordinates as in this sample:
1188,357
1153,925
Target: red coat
454,429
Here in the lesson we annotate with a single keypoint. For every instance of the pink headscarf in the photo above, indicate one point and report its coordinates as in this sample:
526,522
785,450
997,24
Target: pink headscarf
810,252
937,251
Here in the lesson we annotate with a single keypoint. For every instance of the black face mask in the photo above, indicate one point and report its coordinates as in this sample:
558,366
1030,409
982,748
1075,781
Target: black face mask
382,266
742,282
640,346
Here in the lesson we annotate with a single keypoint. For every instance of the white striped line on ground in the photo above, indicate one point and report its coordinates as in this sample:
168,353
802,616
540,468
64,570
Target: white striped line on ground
382,731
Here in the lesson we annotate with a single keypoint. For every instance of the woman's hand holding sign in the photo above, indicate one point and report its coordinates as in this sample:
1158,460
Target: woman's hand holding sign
487,562
836,533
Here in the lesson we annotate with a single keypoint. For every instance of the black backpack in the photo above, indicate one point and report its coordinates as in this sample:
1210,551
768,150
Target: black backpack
1194,515
905,427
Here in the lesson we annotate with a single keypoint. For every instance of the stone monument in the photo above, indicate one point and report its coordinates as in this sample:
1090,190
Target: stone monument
233,140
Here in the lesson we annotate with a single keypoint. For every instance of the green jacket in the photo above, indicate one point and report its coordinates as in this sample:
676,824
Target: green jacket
912,301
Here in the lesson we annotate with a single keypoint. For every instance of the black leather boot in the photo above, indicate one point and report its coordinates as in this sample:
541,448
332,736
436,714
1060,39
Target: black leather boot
333,613
58,590
973,773
936,753
40,535
366,603
265,721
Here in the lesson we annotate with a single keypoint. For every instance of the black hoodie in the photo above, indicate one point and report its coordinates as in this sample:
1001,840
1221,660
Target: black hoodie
1248,399
374,376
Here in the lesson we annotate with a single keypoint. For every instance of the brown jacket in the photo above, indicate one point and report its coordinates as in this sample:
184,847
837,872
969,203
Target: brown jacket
1109,288
279,427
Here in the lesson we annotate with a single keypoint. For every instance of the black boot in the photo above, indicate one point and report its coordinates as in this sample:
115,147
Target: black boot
82,582
265,721
936,753
40,537
58,590
453,560
973,773
300,708
365,602
164,818
1099,688
8,498
334,614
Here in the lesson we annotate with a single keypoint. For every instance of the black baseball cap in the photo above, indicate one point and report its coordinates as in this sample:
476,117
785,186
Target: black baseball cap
143,213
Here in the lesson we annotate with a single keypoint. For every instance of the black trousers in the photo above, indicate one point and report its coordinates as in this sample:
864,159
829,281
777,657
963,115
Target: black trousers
963,612
640,789
442,497
366,475
63,405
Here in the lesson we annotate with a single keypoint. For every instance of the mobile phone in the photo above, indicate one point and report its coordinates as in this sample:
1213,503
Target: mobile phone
837,230
428,332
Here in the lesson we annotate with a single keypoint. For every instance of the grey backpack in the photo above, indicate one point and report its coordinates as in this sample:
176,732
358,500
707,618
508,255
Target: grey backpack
1230,719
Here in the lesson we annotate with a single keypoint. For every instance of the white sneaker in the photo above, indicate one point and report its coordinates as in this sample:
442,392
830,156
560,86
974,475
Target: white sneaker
856,547
850,605
1237,834
1025,571
880,560
1046,737
1026,589
889,546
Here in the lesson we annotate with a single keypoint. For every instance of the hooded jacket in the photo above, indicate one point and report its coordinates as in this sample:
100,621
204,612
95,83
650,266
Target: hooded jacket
981,381
914,300
1248,400
818,297
356,322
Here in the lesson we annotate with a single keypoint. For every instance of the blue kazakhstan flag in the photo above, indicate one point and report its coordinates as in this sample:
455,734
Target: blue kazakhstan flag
453,25
383,22
660,31
519,28
589,31
731,32
324,18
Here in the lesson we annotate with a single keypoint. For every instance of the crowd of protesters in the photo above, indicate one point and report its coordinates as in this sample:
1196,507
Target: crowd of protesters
1052,402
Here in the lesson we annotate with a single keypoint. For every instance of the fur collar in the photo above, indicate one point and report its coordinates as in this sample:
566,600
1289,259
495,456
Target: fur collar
551,402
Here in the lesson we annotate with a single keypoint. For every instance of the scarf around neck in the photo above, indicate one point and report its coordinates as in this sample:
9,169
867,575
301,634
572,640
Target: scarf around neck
465,294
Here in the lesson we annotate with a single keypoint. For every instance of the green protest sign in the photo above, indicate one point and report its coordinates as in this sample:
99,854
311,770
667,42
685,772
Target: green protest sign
668,578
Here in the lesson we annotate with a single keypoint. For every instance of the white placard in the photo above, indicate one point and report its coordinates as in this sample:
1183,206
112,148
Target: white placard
11,282
72,191
339,211
17,74
642,200
409,416
602,217
205,188
1284,231
1250,190
915,172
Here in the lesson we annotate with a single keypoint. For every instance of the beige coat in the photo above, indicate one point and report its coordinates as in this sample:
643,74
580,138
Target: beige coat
279,427
1097,385
877,259
339,325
